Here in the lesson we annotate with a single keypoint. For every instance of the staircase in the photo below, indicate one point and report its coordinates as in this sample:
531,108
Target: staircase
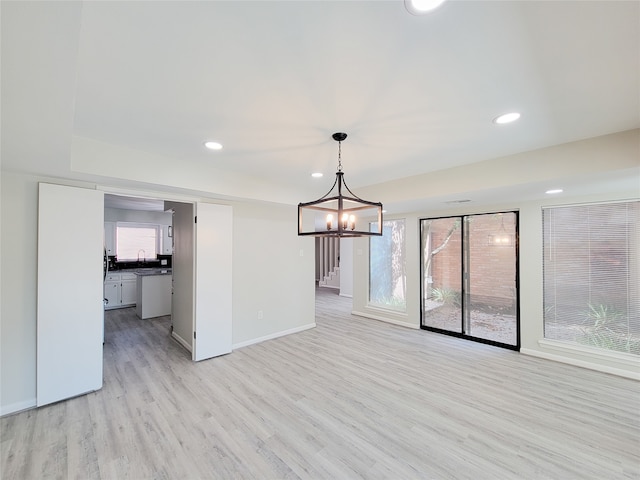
332,280
328,262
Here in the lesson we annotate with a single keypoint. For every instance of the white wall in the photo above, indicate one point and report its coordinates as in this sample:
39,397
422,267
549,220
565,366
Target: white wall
346,267
268,274
273,273
183,279
19,229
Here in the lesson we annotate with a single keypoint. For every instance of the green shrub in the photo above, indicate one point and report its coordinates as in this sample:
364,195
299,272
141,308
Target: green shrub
446,296
604,328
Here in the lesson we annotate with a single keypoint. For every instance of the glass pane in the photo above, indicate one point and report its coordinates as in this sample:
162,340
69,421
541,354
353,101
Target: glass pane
442,271
387,270
490,264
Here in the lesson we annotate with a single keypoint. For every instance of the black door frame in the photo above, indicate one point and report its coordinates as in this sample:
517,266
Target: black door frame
462,334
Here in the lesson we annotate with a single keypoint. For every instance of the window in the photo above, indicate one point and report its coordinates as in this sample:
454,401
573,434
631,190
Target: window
591,275
136,241
387,272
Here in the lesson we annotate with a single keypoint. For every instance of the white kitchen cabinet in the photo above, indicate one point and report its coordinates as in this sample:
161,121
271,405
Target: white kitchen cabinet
128,295
167,241
112,294
110,238
120,290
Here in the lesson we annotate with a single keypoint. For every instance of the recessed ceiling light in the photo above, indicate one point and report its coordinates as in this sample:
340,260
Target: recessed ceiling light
213,145
555,190
316,175
384,211
419,7
506,118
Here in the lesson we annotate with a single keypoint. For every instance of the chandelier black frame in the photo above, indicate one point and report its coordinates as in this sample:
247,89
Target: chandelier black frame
339,215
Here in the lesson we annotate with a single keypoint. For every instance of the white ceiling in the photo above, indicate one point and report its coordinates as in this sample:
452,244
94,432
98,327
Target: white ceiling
273,80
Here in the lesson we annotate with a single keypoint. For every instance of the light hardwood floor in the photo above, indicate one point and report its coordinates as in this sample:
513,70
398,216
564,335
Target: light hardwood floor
352,398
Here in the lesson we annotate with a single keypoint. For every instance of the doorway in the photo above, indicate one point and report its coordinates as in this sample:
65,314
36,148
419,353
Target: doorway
137,239
469,277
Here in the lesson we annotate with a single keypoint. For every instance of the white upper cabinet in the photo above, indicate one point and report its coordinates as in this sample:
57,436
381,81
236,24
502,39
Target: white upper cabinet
110,238
167,241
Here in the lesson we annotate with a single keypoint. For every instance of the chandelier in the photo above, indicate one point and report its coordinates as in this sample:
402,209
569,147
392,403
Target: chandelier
338,215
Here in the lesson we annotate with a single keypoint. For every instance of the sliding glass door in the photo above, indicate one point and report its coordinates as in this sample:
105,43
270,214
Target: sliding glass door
469,277
442,273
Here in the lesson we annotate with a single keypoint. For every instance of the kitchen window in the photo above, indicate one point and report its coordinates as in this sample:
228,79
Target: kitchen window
137,242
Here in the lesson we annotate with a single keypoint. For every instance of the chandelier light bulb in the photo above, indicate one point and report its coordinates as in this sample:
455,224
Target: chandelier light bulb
329,221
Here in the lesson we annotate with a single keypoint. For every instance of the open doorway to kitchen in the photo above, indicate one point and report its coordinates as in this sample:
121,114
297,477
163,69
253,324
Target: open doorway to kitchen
138,270
137,243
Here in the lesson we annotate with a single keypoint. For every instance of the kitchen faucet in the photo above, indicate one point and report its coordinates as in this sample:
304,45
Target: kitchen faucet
143,255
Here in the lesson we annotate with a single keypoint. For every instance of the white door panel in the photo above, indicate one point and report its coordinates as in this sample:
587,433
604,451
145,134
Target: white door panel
212,324
70,311
183,276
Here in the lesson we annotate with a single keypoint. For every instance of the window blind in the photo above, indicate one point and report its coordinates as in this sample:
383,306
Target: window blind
136,242
591,275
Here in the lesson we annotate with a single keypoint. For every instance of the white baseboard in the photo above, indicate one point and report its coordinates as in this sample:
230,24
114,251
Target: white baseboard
385,319
346,295
623,358
181,341
581,363
17,407
274,335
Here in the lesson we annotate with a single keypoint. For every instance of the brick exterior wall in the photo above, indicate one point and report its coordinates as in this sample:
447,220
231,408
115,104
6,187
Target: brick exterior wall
491,267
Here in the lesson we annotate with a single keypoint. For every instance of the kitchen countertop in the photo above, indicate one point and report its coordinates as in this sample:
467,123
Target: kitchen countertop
146,272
